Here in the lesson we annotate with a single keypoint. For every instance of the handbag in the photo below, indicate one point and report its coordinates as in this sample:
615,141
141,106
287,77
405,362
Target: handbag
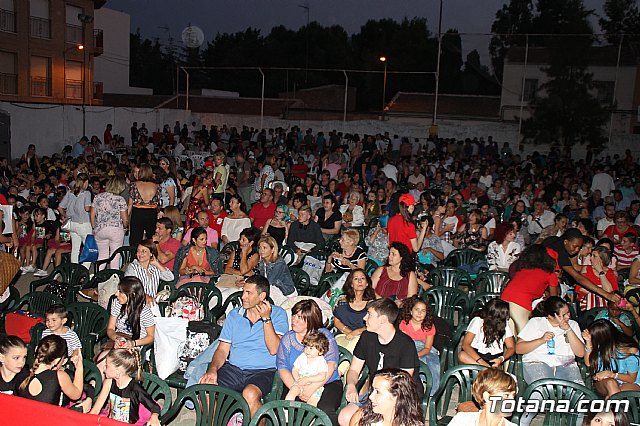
89,250
163,295
66,225
200,334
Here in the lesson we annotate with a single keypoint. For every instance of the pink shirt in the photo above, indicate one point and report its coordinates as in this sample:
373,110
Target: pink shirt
212,236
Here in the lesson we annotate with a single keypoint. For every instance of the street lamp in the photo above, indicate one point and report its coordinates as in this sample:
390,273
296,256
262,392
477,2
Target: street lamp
85,20
383,59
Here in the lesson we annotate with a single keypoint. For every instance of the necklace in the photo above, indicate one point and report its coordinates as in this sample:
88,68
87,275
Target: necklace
198,252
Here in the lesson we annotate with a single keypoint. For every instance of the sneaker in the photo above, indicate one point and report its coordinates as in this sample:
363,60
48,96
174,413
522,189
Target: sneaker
28,269
40,273
89,293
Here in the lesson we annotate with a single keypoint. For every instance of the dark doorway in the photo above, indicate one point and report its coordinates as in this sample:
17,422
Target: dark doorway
5,135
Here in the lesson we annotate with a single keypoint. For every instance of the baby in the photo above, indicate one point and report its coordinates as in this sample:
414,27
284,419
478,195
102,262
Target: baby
310,367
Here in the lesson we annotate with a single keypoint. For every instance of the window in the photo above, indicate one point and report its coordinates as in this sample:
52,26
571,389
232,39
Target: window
7,16
604,92
8,74
530,89
40,76
73,80
74,27
40,22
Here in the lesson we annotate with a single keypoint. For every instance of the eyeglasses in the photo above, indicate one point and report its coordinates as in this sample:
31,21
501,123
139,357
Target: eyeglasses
279,211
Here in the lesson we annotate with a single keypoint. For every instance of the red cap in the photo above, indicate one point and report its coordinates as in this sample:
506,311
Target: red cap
407,199
208,163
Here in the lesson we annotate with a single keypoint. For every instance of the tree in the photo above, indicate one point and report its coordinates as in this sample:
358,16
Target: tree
511,20
621,16
149,66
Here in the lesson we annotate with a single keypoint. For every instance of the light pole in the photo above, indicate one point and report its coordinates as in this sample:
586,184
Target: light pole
434,126
306,73
383,59
84,19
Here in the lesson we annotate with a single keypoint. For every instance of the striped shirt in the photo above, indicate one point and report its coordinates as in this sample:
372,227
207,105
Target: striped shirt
146,320
72,339
150,277
625,259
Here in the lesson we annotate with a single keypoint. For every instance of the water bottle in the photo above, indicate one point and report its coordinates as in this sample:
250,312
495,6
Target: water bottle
551,347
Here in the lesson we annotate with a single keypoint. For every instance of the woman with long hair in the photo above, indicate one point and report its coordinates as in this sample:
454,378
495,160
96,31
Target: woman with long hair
131,323
275,269
531,274
472,235
306,317
401,228
398,278
219,174
199,198
198,261
606,418
490,383
109,219
503,251
329,217
278,226
235,222
170,195
612,358
487,335
245,258
372,207
173,214
315,197
144,198
351,307
393,401
148,270
75,206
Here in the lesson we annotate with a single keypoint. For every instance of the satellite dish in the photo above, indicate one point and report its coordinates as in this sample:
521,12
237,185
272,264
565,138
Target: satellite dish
192,37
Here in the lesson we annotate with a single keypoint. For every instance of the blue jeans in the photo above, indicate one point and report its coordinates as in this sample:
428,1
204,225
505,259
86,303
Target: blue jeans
200,364
432,359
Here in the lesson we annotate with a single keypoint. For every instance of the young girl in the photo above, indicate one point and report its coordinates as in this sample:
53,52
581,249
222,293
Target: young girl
13,356
35,240
25,228
57,245
128,402
487,335
416,321
173,213
310,367
56,322
47,381
612,358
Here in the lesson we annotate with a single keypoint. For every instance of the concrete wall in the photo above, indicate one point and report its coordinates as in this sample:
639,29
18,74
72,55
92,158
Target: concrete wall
112,67
51,127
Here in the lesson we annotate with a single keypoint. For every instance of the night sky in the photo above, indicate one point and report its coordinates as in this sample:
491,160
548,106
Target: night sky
467,16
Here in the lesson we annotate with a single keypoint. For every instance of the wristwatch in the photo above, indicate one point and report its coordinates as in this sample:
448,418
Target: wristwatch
601,273
266,320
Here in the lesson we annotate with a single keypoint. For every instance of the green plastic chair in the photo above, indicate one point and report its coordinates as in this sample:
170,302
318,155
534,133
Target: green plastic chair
214,405
127,254
449,355
461,376
588,316
287,254
234,300
37,302
463,257
290,413
36,335
75,275
491,282
325,283
226,251
481,299
633,398
89,323
158,390
371,267
301,280
557,389
447,276
446,302
514,367
102,276
92,375
427,381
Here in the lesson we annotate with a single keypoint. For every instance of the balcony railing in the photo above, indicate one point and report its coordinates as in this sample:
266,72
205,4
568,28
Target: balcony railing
40,27
98,90
8,84
7,21
73,89
98,42
74,34
40,86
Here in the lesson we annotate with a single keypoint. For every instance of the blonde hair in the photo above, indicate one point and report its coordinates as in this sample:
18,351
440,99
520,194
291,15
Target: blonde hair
492,381
173,214
145,173
271,242
81,178
116,185
128,359
219,155
353,235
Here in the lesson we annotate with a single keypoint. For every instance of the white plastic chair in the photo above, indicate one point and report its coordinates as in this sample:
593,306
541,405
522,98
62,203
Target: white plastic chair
198,160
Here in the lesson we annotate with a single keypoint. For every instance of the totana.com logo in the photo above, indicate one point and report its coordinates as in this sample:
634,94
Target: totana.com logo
521,405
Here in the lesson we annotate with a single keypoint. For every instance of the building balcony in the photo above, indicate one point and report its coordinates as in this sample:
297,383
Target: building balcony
8,84
40,28
7,21
98,42
73,34
40,87
73,89
98,90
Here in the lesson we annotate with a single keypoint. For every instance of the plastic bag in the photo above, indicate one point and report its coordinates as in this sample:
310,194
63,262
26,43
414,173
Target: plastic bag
89,250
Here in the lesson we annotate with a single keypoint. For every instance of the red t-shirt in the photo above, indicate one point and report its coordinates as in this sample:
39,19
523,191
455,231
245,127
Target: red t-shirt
260,214
3,200
216,222
173,246
613,233
401,231
300,170
420,334
528,285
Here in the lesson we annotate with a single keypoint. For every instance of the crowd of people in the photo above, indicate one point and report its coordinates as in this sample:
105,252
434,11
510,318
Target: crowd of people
563,230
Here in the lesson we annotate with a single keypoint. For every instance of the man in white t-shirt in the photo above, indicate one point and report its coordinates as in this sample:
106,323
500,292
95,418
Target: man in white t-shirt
540,218
602,181
607,220
390,171
417,176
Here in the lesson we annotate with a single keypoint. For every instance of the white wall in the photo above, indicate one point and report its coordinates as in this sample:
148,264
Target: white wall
51,127
112,67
